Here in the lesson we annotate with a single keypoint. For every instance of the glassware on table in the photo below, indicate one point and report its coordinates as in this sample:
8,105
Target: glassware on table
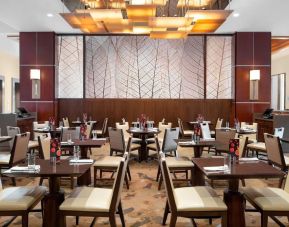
61,124
227,163
75,153
227,124
31,161
78,119
94,135
69,140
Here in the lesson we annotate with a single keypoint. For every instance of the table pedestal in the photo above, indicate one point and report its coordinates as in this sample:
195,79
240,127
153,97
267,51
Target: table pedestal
198,151
84,179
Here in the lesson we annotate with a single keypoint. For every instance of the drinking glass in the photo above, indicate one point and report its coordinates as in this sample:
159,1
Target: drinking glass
94,135
227,163
60,124
77,119
227,124
31,161
75,153
69,141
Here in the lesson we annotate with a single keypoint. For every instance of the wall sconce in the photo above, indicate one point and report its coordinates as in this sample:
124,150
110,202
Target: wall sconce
35,77
254,84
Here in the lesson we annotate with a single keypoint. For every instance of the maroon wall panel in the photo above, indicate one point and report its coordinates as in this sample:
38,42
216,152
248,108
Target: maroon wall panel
46,46
262,48
244,48
27,48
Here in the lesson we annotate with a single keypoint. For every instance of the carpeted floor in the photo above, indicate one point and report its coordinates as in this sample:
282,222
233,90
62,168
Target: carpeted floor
143,204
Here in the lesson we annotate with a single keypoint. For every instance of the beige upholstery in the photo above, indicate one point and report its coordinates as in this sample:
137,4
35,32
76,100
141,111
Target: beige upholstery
37,125
44,142
98,132
20,198
223,137
4,158
200,198
173,162
124,128
257,146
104,128
206,133
274,150
182,131
188,132
108,161
33,144
21,147
219,123
268,199
286,160
88,199
65,122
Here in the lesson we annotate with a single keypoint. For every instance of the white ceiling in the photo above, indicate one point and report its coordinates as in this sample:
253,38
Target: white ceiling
31,15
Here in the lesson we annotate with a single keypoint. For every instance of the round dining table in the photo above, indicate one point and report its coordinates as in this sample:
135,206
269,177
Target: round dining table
143,134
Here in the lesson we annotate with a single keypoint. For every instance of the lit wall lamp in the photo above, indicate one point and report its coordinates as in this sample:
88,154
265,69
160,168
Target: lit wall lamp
254,84
35,77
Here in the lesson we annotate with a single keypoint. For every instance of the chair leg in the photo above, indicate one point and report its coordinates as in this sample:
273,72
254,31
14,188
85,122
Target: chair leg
210,221
173,220
13,181
243,182
158,174
264,220
25,220
120,211
77,220
126,181
224,220
94,176
128,172
167,210
100,174
41,181
160,182
71,182
112,220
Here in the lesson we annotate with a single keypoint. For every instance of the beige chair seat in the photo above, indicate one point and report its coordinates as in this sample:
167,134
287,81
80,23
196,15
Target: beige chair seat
98,132
268,198
111,161
252,141
33,144
88,199
286,158
212,132
200,198
188,132
5,157
20,198
257,146
174,162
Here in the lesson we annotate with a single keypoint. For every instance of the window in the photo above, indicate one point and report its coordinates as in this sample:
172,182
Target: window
278,90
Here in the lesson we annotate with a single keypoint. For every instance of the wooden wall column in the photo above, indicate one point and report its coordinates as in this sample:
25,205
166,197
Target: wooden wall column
37,51
252,51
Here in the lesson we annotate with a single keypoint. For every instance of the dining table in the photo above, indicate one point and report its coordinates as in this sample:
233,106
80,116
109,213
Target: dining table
196,145
143,134
85,179
78,122
240,170
54,132
5,139
55,196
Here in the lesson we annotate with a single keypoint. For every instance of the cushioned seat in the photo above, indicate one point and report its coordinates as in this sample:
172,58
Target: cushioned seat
257,146
20,198
174,162
33,144
268,198
111,161
199,198
286,158
98,132
4,157
88,199
188,132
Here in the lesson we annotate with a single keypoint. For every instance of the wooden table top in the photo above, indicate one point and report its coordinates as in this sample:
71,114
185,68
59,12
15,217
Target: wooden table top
239,170
201,143
285,140
144,131
5,138
85,143
48,169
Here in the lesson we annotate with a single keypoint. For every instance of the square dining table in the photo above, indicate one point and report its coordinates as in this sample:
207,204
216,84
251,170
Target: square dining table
197,146
55,196
233,198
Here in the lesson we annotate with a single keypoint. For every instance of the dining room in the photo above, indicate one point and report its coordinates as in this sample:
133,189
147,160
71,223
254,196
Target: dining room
143,113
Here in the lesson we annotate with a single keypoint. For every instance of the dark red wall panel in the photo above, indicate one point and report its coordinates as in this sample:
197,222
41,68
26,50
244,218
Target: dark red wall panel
262,48
244,48
27,48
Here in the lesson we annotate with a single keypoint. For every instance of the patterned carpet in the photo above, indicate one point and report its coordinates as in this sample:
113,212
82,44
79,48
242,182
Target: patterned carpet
143,204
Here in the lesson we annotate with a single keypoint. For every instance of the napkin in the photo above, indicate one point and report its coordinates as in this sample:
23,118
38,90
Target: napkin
89,161
186,142
215,168
208,139
65,143
24,169
248,159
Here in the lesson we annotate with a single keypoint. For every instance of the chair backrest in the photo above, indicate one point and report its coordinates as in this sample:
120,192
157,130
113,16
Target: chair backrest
219,123
286,185
124,127
44,146
181,127
206,133
168,183
279,132
169,143
274,150
104,126
12,132
65,122
89,127
162,128
118,183
223,137
37,125
243,141
253,126
74,133
116,139
19,149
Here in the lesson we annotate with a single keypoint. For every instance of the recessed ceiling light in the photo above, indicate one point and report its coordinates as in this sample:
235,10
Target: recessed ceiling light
49,14
236,14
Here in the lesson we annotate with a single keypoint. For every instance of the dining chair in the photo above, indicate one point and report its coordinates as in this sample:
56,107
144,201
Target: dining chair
97,202
38,125
190,202
218,125
124,127
110,164
223,137
260,147
102,132
13,131
254,126
18,153
19,201
205,129
65,122
184,133
269,201
73,132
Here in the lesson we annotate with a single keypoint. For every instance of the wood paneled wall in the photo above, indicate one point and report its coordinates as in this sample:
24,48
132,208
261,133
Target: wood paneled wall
252,51
37,51
156,109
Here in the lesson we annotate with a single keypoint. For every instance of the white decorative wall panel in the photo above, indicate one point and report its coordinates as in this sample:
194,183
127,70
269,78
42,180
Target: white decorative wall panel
70,66
219,67
140,67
